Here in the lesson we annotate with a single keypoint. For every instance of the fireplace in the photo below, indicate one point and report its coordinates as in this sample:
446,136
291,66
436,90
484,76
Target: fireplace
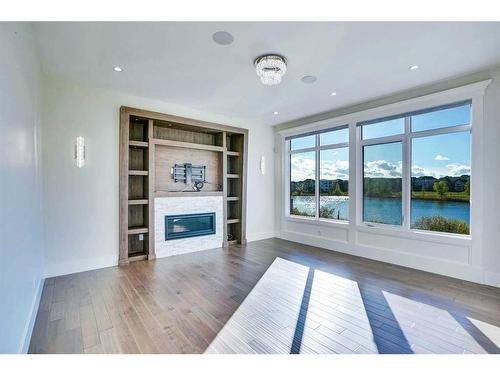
189,225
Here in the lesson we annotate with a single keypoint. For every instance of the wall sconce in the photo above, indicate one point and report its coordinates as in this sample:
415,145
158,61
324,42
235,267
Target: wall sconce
79,152
262,165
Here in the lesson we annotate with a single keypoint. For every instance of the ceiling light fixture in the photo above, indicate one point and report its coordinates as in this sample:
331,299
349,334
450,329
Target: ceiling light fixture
275,112
117,69
333,94
413,67
270,68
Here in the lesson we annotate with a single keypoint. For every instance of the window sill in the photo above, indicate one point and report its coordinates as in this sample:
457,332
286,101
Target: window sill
419,235
321,222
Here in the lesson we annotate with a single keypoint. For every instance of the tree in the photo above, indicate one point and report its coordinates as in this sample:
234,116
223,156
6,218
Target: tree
337,191
467,187
441,188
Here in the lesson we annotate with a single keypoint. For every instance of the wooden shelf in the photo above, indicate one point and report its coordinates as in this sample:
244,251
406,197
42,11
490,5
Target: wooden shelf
232,199
232,175
138,230
160,193
233,153
138,144
137,173
137,201
197,146
233,221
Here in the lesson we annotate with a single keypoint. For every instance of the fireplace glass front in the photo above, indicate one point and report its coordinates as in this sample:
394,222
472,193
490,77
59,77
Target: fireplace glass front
189,225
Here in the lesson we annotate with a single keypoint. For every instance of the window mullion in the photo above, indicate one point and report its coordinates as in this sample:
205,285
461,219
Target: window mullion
406,174
316,186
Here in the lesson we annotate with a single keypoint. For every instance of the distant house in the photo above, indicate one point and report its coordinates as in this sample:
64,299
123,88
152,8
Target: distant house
425,182
459,185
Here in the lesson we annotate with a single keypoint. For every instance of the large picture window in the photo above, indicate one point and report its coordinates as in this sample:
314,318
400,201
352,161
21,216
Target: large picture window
432,148
323,157
413,171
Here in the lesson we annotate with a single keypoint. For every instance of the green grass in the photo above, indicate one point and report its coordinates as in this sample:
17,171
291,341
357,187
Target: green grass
433,196
441,224
297,212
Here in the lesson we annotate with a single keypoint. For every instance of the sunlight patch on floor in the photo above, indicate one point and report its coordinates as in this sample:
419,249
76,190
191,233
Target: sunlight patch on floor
489,330
432,329
296,309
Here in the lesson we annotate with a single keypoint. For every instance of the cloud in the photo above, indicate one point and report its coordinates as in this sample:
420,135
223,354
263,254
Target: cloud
456,170
303,168
441,158
382,168
417,171
331,170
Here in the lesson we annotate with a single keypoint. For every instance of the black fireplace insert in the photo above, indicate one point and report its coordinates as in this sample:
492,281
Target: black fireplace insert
189,225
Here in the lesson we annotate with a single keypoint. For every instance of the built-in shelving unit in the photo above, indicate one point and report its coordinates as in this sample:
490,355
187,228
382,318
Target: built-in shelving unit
150,144
135,133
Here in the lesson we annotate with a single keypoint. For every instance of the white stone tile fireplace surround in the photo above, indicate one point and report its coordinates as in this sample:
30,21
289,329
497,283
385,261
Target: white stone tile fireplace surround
187,205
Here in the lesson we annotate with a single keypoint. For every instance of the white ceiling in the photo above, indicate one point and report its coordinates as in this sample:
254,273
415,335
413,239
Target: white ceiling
179,62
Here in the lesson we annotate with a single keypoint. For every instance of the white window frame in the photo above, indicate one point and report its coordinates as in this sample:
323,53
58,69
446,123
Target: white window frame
405,139
317,173
475,92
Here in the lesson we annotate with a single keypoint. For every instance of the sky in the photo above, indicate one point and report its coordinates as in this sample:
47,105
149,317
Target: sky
437,156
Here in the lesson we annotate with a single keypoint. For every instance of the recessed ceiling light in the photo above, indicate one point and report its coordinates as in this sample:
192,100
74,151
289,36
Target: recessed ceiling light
117,69
223,38
308,79
333,94
413,67
275,112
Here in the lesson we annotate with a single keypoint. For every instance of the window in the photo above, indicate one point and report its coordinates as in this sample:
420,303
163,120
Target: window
382,188
334,184
432,148
413,171
441,118
383,128
303,184
324,157
303,142
334,137
440,183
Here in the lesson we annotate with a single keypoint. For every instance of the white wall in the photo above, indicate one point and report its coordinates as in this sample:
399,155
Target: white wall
21,251
477,260
81,205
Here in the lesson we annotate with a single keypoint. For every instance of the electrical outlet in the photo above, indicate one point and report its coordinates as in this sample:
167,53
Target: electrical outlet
141,237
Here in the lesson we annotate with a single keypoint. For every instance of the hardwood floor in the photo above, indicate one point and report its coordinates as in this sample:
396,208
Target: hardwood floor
270,296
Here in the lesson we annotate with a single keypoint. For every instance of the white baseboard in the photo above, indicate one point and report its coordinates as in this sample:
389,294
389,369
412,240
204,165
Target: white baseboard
260,236
492,278
438,266
30,323
80,265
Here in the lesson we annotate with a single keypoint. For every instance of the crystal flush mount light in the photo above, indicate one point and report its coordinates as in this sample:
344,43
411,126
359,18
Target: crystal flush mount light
270,69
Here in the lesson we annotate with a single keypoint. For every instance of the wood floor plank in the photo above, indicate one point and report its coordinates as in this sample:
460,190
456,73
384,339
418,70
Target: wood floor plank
269,296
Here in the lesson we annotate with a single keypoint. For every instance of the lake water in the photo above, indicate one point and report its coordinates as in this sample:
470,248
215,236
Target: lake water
387,210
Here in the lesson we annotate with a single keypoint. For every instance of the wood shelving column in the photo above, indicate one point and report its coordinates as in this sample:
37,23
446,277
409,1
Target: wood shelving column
235,176
134,188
